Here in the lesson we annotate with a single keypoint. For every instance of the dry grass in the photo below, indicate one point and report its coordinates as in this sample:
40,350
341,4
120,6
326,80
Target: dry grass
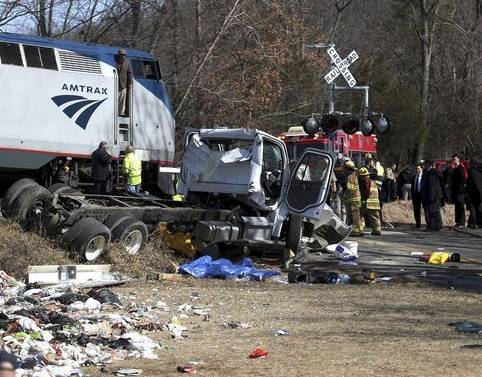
401,213
154,258
19,249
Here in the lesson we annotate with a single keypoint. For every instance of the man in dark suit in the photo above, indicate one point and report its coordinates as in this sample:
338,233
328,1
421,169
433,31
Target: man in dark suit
474,190
101,159
433,196
459,181
417,195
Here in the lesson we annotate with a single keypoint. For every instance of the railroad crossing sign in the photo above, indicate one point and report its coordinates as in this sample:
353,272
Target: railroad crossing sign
341,67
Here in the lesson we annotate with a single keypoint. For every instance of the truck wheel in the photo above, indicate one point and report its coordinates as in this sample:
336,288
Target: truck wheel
132,233
30,207
13,192
61,187
87,237
295,229
114,220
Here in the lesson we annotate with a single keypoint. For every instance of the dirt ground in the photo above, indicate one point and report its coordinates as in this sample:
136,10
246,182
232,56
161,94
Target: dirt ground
382,329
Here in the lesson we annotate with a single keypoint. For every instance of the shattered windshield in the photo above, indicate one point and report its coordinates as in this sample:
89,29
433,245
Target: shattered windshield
225,145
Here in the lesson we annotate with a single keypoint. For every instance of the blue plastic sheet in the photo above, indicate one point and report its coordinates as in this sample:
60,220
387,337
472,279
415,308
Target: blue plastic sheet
205,267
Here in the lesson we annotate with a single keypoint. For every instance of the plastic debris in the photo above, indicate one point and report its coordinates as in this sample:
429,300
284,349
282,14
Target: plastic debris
205,267
237,325
186,369
439,258
471,346
349,252
104,296
467,327
54,331
317,277
282,333
128,372
258,353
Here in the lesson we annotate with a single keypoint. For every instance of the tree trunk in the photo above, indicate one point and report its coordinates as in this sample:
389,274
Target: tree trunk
42,18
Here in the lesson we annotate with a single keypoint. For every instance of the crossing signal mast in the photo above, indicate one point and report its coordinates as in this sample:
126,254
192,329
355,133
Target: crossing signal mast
331,121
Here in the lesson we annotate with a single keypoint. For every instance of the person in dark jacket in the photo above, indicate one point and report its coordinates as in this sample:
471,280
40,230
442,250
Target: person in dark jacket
405,182
458,191
447,171
433,196
474,191
101,159
417,183
124,74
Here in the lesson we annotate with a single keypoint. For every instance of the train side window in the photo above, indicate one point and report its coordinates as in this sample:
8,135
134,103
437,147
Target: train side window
10,54
40,57
145,69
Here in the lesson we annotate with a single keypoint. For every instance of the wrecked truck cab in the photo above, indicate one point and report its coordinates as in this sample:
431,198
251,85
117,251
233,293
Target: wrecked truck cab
246,164
247,170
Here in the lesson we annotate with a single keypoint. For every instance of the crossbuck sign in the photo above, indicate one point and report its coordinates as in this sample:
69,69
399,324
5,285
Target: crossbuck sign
341,67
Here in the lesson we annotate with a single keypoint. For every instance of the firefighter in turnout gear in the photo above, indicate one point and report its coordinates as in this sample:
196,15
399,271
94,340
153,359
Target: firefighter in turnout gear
352,198
370,202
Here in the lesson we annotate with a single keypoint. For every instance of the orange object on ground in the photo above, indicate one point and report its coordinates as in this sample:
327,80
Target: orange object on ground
258,353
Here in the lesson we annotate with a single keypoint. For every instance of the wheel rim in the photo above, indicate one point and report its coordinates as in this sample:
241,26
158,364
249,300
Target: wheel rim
94,248
133,242
33,218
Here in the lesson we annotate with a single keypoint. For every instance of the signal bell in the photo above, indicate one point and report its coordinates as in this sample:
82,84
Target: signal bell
310,126
366,127
383,124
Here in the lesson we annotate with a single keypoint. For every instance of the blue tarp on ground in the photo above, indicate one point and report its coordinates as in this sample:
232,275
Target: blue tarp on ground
205,267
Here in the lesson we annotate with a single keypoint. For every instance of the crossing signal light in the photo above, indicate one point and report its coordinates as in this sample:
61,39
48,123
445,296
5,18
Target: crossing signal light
367,127
310,126
383,124
351,125
329,123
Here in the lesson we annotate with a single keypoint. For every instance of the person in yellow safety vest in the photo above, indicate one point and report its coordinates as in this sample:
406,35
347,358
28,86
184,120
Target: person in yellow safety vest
352,198
176,197
380,176
370,203
132,169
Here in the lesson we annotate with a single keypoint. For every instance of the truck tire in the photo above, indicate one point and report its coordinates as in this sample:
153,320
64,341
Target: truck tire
31,206
62,187
87,237
132,233
13,192
295,229
114,220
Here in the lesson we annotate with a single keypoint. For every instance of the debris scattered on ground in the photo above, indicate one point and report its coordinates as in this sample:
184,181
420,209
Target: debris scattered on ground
471,346
237,325
282,333
258,353
129,372
347,252
186,369
467,327
205,267
56,331
317,277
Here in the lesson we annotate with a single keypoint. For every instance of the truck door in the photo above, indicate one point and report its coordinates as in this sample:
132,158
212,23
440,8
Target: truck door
309,184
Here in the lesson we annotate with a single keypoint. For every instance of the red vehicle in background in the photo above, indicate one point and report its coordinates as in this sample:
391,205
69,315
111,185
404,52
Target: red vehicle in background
354,146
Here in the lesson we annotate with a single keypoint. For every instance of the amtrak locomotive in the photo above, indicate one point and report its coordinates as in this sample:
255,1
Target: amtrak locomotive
59,100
